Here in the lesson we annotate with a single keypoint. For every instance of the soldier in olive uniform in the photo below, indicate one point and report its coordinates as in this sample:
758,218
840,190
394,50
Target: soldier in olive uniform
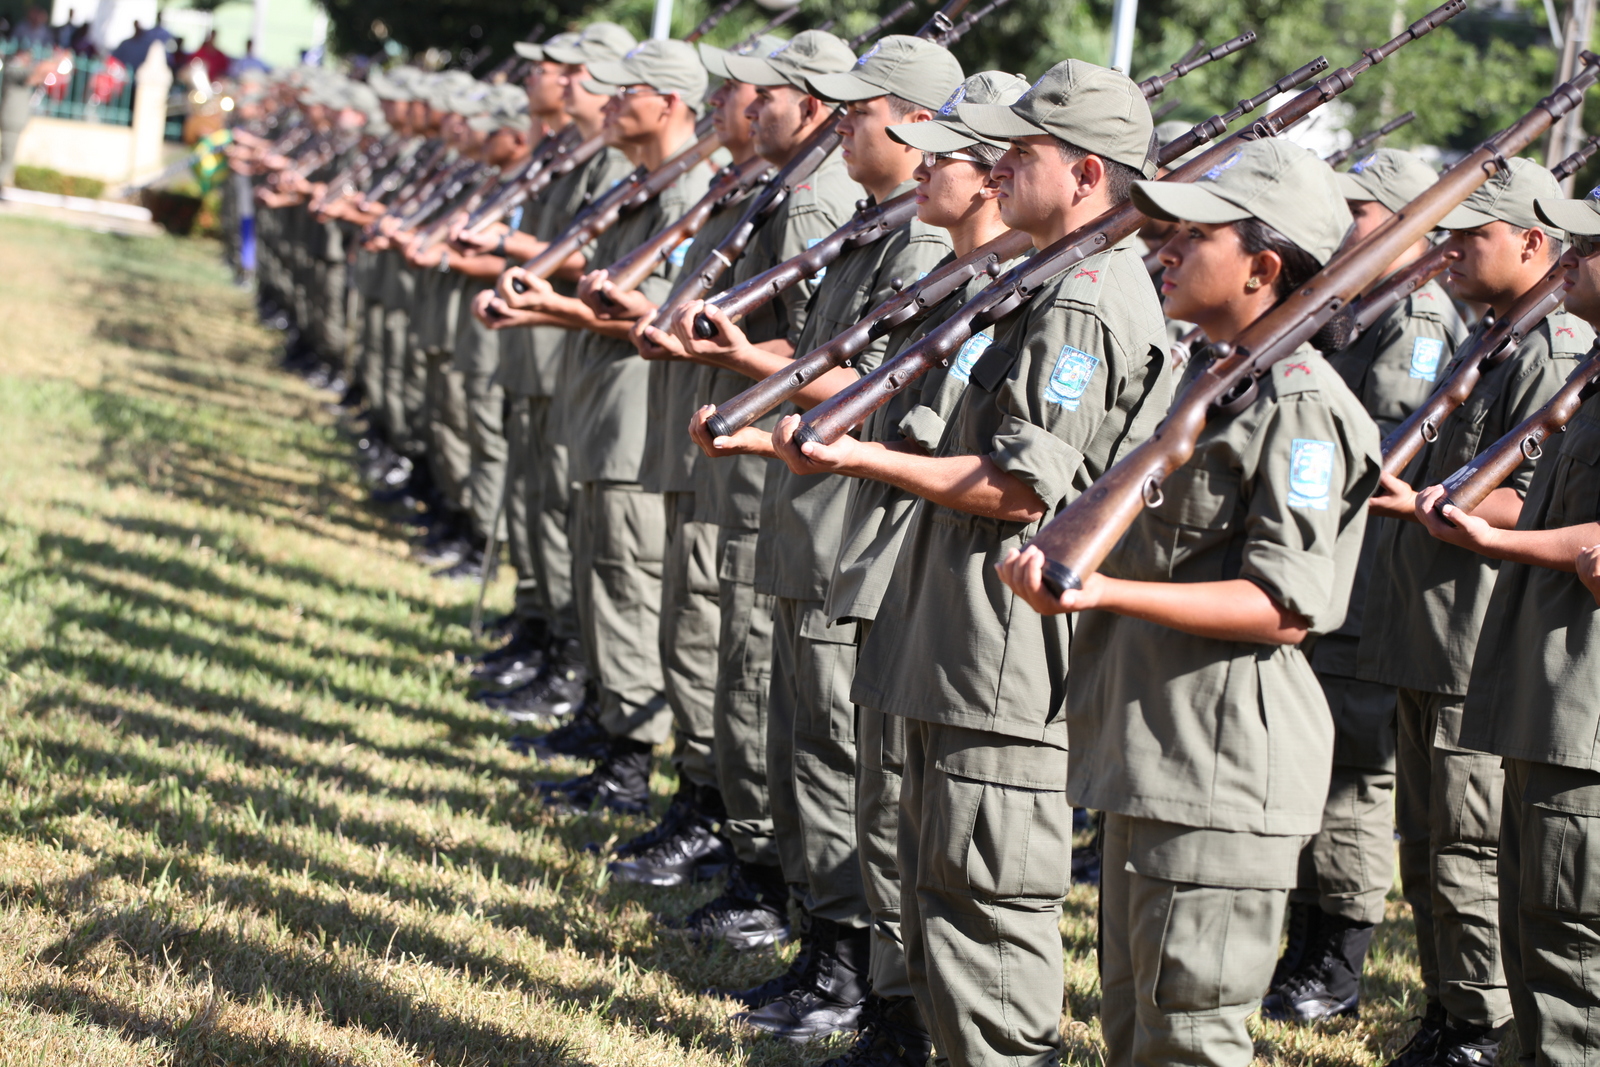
619,527
753,909
1425,603
1347,869
1072,377
811,727
557,686
957,193
1531,701
1198,726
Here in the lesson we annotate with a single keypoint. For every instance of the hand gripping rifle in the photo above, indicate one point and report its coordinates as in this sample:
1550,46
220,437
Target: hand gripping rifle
1156,84
915,303
1574,163
626,196
1076,541
1468,487
728,186
1337,159
1487,350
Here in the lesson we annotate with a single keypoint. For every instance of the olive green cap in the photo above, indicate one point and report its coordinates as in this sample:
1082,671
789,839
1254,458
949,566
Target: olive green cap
530,50
1390,176
793,61
508,109
598,42
1581,217
469,101
390,86
1282,184
1093,108
1507,197
665,66
897,65
947,133
716,59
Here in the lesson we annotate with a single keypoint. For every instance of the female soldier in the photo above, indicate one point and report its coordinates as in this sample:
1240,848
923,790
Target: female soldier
1196,722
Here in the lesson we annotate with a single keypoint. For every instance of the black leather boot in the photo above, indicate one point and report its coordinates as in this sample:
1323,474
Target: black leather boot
690,851
752,911
890,1034
831,991
1327,984
759,996
621,782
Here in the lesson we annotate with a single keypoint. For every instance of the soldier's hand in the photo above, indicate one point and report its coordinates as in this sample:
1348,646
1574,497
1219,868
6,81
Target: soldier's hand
431,256
654,342
812,457
1449,523
725,341
1588,567
1023,572
1394,499
750,441
482,242
609,302
535,291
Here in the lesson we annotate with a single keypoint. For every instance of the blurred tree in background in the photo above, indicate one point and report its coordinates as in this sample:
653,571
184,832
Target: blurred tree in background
1471,78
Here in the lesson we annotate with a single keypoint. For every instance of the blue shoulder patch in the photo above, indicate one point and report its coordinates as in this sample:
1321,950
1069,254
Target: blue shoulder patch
1310,473
972,350
1426,352
675,257
1070,378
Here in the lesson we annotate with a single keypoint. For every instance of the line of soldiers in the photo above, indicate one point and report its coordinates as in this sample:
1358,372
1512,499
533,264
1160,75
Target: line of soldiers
552,299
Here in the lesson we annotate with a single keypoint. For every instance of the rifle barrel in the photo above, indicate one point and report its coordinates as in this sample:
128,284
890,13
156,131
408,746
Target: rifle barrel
1156,84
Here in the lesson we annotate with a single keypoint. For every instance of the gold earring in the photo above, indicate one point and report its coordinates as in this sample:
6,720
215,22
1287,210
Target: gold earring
1253,284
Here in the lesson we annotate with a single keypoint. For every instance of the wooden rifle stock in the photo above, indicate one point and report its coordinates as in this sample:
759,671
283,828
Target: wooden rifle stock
629,194
908,306
870,223
1076,541
1489,349
1338,158
1156,84
628,272
1358,317
837,415
1467,487
1573,163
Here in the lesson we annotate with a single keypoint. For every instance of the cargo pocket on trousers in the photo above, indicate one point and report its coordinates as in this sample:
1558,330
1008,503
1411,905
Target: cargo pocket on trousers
1006,842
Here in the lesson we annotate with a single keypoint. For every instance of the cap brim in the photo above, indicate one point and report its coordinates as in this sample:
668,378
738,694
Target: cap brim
931,137
1350,187
1573,216
997,121
528,50
600,88
753,70
1184,200
564,54
610,72
842,88
715,60
1465,218
483,123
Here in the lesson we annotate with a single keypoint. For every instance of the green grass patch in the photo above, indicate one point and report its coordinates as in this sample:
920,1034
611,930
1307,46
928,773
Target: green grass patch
248,812
45,180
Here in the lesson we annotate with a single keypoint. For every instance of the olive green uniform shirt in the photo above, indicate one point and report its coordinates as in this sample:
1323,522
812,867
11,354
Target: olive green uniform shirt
876,513
1427,598
1535,692
607,392
1230,735
802,515
1073,379
1391,368
530,358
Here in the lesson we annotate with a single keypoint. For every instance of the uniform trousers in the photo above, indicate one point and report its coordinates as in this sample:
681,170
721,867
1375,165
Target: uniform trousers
690,624
1348,867
1447,807
618,540
446,419
1189,925
985,844
1550,910
326,300
739,706
811,755
880,765
549,505
369,368
522,465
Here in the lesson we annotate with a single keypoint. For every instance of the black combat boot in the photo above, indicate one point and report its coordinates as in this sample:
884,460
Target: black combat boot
1467,1046
831,991
752,911
759,996
890,1034
1304,921
557,690
620,782
1327,983
1423,1047
691,850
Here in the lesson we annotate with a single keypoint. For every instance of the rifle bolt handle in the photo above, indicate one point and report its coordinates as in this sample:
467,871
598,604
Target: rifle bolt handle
704,328
518,285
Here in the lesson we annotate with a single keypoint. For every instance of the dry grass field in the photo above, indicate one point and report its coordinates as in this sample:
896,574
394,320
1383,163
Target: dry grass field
248,814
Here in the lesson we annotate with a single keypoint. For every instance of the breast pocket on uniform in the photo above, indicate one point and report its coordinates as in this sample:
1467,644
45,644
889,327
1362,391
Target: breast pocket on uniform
1575,489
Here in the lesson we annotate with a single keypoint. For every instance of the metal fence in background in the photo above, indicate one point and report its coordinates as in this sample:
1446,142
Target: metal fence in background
83,88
